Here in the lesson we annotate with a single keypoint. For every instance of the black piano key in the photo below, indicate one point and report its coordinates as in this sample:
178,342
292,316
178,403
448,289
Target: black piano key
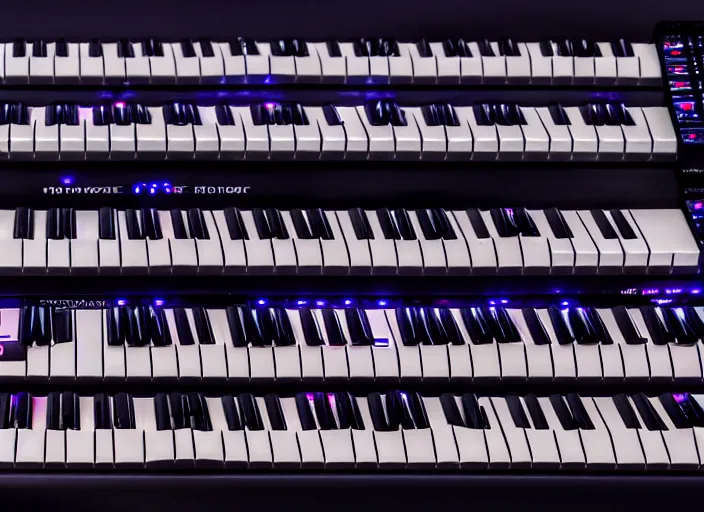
158,329
151,224
152,48
243,328
525,222
19,48
456,48
54,224
332,116
579,412
451,410
505,223
424,49
249,409
518,414
232,416
414,405
379,414
101,411
22,415
117,326
266,324
625,410
674,321
622,225
360,224
509,330
283,326
694,321
24,223
691,409
235,224
428,225
333,328
178,407
388,227
204,329
305,413
408,323
243,46
563,412
585,48
449,325
625,325
477,326
477,221
675,411
137,328
275,412
559,324
53,411
323,404
224,115
311,330
42,326
68,219
70,411
559,115
485,49
579,327
602,333
261,222
475,416
508,48
5,410
161,411
300,224
348,411
319,222
333,48
124,49
622,48
179,226
62,320
102,115
134,231
437,333
659,334
206,48
276,224
536,327
537,415
39,48
187,49
95,48
123,413
647,412
196,224
140,114
358,326
558,224
199,412
26,327
183,327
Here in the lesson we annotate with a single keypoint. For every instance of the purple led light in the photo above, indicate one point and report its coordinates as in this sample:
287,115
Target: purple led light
301,302
348,302
651,291
159,302
382,302
680,397
564,303
698,205
269,106
504,301
310,397
67,180
121,302
695,291
120,104
261,302
320,303
492,302
137,189
662,301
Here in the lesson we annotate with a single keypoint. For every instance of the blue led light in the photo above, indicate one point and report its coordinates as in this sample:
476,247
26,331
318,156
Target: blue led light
492,302
565,303
67,180
695,291
301,302
504,301
137,189
382,302
348,302
320,303
381,342
159,302
121,302
261,302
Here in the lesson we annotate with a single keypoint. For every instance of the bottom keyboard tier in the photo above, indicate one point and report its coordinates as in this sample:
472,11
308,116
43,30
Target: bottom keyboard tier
338,431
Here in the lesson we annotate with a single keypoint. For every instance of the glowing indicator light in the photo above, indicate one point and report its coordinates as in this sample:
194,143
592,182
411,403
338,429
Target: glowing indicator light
120,104
67,180
680,397
301,302
121,302
320,303
348,302
159,302
382,302
261,302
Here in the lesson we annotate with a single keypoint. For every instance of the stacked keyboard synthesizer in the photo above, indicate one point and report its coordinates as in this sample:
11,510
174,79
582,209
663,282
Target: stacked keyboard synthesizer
411,271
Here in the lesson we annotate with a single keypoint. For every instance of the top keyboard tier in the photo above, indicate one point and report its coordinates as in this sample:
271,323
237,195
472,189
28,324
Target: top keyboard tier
364,61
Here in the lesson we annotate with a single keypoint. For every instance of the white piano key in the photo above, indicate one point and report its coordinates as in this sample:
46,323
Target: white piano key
611,257
8,438
283,68
363,439
97,138
519,67
88,331
448,68
382,143
410,360
472,68
46,138
180,140
379,70
486,138
212,356
659,359
605,68
402,66
327,361
612,143
109,254
472,447
649,63
542,442
164,361
638,142
508,250
331,140
233,445
420,450
184,449
9,328
184,256
390,447
587,256
233,251
260,253
151,138
34,257
588,359
535,136
163,68
11,255
309,68
562,355
91,68
309,443
626,443
359,357
30,448
584,136
628,69
80,443
256,137
72,140
84,248
652,443
495,66
538,358
499,453
358,250
237,357
114,364
424,68
407,138
234,66
336,259
212,69
123,140
137,68
661,131
113,66
512,357
209,250
282,141
636,252
258,64
561,252
17,68
357,66
537,250
383,252
187,69
511,141
67,69
158,444
485,357
680,442
459,260
333,69
515,437
569,443
433,251
433,138
540,65
129,448
311,358
386,361
232,138
133,252
207,142
669,238
62,357
284,445
358,142
634,359
481,250
446,452
138,364
584,70
597,443
188,356
560,138
307,138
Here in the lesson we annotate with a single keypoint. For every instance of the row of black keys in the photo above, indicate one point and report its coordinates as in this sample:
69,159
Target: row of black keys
142,325
379,47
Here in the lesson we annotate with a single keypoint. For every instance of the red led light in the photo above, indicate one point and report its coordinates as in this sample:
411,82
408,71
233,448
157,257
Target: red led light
687,106
676,52
692,135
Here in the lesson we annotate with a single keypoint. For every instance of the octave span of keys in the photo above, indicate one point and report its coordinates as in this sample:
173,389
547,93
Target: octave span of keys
380,60
659,344
388,430
340,242
377,130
